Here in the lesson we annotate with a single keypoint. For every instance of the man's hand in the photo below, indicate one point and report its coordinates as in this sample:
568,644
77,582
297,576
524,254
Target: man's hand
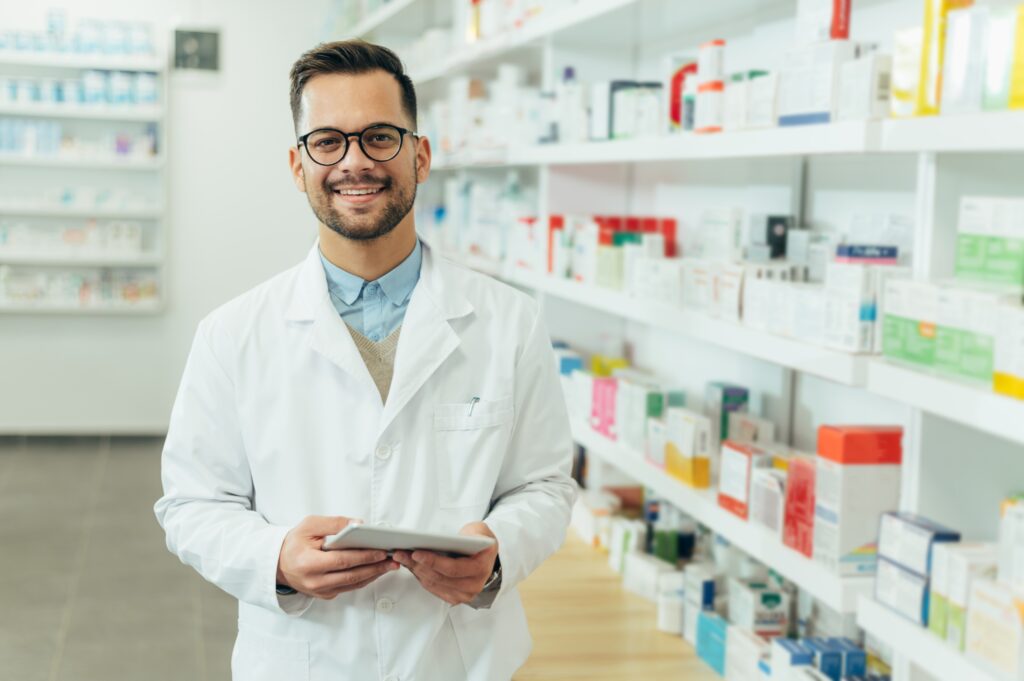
453,580
305,567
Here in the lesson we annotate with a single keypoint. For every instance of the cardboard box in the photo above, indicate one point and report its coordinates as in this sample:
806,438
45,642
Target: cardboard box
744,427
626,536
1011,545
641,572
809,81
938,603
768,499
762,101
907,540
990,241
965,333
757,607
967,562
963,65
864,87
854,658
995,628
720,400
909,324
798,526
738,463
929,91
906,71
744,651
903,591
688,450
712,631
1008,358
657,438
788,656
998,58
602,417
856,481
828,657
670,602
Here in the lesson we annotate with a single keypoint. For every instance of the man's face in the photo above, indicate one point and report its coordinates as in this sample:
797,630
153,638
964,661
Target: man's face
337,193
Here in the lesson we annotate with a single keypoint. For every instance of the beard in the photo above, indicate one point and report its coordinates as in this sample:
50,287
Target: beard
398,203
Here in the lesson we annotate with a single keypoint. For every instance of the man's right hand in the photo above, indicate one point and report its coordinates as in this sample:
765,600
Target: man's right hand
305,567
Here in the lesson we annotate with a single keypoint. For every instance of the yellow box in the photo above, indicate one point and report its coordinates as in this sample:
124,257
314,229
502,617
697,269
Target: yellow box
688,446
929,86
1017,70
604,365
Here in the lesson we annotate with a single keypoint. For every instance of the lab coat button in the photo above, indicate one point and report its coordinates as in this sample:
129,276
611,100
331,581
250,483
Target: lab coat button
383,453
385,605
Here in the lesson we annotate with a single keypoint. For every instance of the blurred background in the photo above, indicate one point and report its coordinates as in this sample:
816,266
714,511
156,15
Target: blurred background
779,245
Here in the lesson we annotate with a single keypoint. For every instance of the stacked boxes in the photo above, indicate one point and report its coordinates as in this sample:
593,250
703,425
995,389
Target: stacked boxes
720,400
712,631
688,449
757,607
911,315
798,523
738,464
995,628
700,589
856,481
905,542
990,241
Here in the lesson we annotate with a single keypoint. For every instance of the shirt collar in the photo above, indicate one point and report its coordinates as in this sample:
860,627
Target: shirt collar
397,284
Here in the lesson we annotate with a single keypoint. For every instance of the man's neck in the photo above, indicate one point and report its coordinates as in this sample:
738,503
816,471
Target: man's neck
368,260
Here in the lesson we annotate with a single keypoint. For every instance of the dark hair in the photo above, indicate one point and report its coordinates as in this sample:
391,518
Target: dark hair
349,56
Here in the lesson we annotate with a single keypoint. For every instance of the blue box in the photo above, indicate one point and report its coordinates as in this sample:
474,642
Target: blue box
855,660
828,658
711,633
907,539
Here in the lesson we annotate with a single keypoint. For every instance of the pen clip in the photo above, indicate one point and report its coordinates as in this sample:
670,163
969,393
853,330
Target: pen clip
472,403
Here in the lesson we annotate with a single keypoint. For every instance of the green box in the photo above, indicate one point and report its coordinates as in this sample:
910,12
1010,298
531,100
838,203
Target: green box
990,241
938,614
909,321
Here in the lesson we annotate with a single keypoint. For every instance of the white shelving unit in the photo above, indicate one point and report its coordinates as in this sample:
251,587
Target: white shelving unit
922,647
841,594
132,176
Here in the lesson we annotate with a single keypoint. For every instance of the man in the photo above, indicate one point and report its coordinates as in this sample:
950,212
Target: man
374,381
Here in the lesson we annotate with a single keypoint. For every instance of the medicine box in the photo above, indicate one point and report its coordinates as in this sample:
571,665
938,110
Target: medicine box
1011,545
720,400
828,657
809,81
701,584
963,65
965,333
990,241
744,651
855,660
967,562
798,525
1008,360
864,87
602,415
995,628
739,460
907,540
999,58
712,630
911,313
744,427
657,438
688,448
757,607
903,591
938,605
788,655
625,536
809,674
641,572
768,499
670,603
929,91
762,101
857,479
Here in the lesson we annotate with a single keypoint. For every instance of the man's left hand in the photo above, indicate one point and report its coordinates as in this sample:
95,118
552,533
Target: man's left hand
453,580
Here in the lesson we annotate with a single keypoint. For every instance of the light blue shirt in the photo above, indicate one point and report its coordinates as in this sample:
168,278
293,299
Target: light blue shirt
374,308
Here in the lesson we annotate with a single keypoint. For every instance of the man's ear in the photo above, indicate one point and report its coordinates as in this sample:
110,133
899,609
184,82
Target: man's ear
295,163
422,159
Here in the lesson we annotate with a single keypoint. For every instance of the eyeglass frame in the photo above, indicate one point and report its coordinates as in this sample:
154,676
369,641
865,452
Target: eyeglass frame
359,136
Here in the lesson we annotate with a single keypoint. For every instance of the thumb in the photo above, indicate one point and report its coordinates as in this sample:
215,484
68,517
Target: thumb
323,526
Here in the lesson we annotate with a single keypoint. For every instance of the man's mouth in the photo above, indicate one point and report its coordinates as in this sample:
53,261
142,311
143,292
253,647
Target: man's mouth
358,195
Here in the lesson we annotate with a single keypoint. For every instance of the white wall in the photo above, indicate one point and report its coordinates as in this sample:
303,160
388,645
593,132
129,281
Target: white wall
235,220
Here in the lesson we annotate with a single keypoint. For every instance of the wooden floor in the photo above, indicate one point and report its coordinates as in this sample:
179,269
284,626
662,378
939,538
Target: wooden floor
585,626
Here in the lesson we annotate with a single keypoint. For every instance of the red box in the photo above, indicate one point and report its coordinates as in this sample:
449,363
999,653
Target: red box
798,524
632,224
738,461
556,223
667,226
602,415
861,444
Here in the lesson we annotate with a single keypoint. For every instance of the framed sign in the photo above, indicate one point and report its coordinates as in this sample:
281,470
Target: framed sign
197,50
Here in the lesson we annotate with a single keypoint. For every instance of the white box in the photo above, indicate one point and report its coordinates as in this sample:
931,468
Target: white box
744,427
907,539
698,278
625,537
807,313
744,651
737,92
1011,546
995,628
809,81
1008,361
967,562
788,657
864,87
657,437
671,597
762,101
757,607
768,499
727,291
902,590
641,574
963,67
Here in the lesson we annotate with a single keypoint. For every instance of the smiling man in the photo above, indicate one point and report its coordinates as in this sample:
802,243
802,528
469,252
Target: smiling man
374,382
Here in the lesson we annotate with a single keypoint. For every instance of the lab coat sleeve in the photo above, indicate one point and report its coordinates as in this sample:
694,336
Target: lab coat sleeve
535,492
207,508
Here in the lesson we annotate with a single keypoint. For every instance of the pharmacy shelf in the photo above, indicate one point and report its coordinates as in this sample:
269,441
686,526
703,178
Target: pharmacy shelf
972,405
839,593
992,131
918,644
841,367
80,61
380,17
101,112
550,23
148,308
100,163
93,260
71,212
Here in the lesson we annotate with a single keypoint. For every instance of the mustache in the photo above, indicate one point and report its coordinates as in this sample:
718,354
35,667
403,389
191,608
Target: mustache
365,181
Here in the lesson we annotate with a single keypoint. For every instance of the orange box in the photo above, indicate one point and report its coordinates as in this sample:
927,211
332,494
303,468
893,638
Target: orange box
861,444
738,463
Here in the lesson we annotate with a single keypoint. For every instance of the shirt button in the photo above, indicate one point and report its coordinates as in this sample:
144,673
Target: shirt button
383,453
385,605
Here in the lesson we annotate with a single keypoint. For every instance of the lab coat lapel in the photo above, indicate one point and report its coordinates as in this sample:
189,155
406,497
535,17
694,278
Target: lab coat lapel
427,337
329,336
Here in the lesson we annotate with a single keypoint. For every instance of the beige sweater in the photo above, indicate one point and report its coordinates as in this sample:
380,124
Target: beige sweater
379,358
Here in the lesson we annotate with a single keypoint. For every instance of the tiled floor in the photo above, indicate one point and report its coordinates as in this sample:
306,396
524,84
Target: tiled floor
88,591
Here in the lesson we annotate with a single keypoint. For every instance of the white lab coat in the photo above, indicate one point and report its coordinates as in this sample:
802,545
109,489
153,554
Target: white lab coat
278,418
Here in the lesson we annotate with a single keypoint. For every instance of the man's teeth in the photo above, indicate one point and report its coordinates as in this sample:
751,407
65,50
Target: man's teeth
357,192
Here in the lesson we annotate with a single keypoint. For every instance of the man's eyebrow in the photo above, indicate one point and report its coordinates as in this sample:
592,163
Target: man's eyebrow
366,127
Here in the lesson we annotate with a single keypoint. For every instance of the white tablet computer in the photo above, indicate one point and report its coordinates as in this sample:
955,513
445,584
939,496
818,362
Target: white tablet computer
392,538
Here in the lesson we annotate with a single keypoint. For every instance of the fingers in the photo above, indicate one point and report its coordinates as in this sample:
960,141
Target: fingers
346,559
330,595
314,526
350,579
455,567
453,590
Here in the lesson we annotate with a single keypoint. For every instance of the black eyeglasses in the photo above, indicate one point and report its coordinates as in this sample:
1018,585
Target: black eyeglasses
380,143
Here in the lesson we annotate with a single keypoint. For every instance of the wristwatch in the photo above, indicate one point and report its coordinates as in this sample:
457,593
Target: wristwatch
495,579
283,590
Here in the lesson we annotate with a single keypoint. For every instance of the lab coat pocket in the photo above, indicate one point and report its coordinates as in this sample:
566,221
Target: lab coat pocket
262,657
470,440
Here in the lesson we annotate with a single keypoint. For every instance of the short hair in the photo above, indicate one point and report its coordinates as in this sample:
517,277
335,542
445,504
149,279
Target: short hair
349,56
